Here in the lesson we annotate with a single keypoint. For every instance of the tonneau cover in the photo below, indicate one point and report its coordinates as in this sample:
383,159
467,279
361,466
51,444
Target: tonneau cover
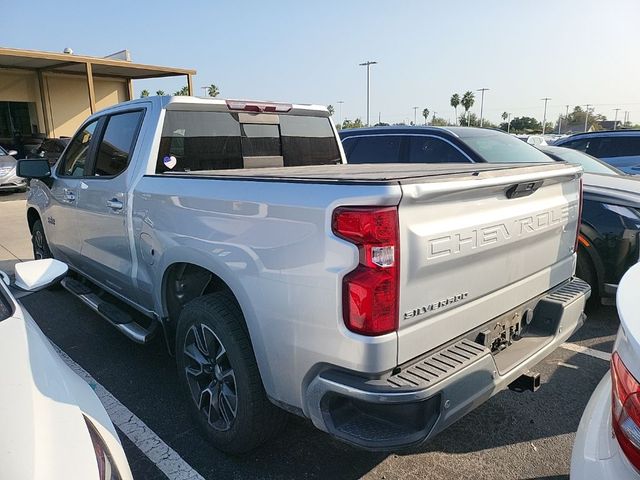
379,173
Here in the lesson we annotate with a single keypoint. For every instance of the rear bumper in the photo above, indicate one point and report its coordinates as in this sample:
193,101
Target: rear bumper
416,401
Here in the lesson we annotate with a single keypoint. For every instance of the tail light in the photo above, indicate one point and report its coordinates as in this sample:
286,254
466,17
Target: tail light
370,292
625,409
575,246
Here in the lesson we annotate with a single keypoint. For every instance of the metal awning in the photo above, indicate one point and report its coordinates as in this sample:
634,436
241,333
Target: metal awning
77,64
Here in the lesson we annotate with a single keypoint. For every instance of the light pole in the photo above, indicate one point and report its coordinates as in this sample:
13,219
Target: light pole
434,117
586,117
544,116
482,103
415,115
340,102
367,64
205,91
615,120
509,124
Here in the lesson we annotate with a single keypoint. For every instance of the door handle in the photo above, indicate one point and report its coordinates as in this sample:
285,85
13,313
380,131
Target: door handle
69,196
115,204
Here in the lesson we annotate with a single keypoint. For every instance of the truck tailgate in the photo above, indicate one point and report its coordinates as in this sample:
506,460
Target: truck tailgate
474,249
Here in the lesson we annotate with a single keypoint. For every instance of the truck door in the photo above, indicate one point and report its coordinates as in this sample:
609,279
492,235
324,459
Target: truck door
60,220
102,207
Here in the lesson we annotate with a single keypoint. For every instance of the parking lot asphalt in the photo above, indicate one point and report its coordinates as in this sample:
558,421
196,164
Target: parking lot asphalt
513,435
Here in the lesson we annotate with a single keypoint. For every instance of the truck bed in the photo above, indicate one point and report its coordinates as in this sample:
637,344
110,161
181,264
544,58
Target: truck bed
377,173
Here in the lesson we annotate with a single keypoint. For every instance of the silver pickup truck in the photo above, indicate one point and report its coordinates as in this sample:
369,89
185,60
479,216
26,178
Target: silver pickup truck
382,302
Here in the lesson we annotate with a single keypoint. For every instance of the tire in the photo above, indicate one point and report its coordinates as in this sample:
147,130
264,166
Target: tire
217,370
586,271
39,242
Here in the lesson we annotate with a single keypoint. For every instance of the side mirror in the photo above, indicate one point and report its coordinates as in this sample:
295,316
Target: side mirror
13,153
38,274
33,168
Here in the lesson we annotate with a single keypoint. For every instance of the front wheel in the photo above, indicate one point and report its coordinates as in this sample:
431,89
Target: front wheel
39,242
218,371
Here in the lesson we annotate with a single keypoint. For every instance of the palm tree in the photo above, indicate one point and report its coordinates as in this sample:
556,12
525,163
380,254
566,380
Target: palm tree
425,114
468,99
455,101
506,115
212,90
144,93
331,110
160,93
183,91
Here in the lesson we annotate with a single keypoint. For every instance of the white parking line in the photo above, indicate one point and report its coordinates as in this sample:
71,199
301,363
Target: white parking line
161,454
587,351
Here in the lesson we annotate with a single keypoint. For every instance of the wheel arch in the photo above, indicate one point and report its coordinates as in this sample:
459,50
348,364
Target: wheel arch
206,276
32,217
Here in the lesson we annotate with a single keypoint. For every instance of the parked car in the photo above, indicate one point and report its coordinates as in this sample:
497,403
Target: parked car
8,178
609,242
51,149
619,148
607,445
610,231
53,424
367,298
535,140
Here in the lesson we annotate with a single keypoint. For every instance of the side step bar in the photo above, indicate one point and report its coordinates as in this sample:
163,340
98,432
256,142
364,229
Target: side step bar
110,312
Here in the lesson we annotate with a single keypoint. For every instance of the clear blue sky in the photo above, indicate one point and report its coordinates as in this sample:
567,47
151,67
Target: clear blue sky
574,51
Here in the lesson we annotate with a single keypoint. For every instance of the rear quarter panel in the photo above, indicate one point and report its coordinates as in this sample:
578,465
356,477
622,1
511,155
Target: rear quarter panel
271,243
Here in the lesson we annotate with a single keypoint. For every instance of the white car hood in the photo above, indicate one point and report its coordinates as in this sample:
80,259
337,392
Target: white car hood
44,435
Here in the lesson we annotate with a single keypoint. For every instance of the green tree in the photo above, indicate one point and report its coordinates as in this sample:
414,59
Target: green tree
212,90
183,91
523,125
160,93
455,101
505,115
357,123
439,121
468,99
331,110
425,114
144,93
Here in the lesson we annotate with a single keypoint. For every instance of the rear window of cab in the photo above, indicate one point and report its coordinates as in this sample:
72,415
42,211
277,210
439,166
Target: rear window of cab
199,140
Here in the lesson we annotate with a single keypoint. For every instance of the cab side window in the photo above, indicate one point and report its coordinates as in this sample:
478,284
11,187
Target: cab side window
116,146
74,161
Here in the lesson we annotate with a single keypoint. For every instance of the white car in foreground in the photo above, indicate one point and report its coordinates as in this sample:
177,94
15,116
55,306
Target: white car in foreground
53,425
608,440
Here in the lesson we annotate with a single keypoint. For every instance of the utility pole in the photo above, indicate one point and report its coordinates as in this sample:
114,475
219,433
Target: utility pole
615,120
586,117
205,91
481,103
379,114
509,122
367,64
544,116
340,102
626,116
434,117
559,122
415,115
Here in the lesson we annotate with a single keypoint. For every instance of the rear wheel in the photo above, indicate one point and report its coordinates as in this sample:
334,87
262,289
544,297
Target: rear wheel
39,242
218,371
586,271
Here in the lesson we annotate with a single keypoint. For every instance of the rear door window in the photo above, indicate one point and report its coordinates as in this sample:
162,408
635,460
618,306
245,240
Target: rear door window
611,147
376,149
116,146
424,149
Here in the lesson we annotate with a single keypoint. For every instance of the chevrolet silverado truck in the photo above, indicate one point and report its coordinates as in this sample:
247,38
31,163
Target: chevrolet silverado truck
382,302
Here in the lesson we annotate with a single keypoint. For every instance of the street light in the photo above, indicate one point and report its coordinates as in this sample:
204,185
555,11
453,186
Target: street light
586,117
340,102
615,120
481,103
544,117
415,115
367,64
